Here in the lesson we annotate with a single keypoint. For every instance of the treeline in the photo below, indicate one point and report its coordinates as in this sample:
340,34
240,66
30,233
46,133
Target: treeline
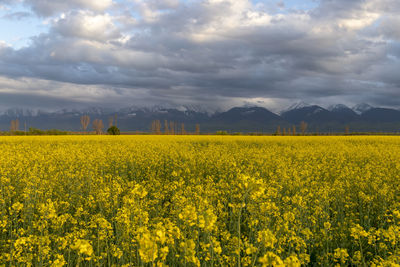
35,131
15,130
174,128
171,128
292,130
303,131
97,126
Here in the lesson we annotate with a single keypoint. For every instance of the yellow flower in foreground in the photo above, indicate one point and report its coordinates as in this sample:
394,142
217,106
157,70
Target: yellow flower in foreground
83,247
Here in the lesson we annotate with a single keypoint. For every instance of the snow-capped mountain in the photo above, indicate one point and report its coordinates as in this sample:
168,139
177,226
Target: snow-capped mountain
97,110
362,117
294,106
299,105
311,113
343,113
338,107
361,108
20,112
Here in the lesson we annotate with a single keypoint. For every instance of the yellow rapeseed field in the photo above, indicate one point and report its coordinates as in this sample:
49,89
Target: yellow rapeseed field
199,201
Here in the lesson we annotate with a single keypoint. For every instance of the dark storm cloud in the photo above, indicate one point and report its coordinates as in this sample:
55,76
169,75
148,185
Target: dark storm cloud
11,100
199,51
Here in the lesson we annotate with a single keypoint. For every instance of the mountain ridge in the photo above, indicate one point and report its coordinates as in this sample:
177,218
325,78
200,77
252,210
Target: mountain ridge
362,117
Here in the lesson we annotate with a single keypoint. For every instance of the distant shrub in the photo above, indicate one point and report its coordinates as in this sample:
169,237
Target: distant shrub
221,133
55,132
19,133
113,130
35,131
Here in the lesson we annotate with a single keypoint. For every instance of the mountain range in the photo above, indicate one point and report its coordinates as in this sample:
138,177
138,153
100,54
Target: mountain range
361,118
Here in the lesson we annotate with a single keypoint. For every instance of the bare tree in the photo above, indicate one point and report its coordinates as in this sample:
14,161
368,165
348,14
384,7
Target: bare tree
347,130
152,127
284,131
294,129
172,127
197,129
110,121
115,120
14,125
303,127
156,127
98,126
183,129
278,130
85,120
166,130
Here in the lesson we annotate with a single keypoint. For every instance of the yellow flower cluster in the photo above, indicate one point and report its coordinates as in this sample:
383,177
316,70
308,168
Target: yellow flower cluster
199,201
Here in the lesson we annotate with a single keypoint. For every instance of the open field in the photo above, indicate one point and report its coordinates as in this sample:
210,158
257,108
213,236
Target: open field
190,200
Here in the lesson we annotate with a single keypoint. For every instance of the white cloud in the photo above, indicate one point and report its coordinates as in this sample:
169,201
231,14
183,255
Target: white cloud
4,44
87,25
359,23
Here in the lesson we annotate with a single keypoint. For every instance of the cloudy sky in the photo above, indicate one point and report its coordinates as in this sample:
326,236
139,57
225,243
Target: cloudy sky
211,53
